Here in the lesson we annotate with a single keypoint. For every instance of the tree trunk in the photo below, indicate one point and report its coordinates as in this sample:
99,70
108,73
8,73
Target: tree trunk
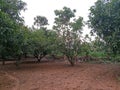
72,63
3,62
25,55
18,61
39,59
71,60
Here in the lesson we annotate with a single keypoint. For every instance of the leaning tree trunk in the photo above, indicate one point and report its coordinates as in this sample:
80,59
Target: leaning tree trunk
71,60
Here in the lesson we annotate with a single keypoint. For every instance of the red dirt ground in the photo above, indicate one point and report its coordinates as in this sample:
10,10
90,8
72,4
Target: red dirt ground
60,76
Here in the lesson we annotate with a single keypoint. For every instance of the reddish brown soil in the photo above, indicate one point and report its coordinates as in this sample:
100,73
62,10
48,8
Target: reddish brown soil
60,76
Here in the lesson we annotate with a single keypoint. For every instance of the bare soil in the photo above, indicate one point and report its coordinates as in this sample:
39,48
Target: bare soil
60,76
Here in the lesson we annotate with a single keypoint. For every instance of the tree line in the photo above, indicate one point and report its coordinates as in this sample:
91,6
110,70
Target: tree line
65,38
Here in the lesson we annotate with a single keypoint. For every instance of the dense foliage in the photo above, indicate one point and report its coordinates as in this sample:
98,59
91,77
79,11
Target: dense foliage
11,36
104,19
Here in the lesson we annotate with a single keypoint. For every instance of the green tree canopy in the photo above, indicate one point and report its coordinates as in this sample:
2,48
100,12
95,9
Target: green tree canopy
13,9
104,19
11,35
40,21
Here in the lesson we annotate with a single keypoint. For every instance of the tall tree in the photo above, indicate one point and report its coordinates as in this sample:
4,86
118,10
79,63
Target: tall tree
11,36
104,19
68,32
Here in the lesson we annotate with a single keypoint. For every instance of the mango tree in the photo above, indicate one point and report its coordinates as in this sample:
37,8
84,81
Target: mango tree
104,19
11,36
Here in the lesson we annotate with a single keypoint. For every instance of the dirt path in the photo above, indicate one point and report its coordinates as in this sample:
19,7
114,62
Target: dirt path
60,76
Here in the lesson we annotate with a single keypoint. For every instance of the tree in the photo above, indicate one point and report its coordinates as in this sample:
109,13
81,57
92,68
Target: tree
40,21
11,36
52,43
104,19
43,43
68,32
37,42
27,47
13,9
